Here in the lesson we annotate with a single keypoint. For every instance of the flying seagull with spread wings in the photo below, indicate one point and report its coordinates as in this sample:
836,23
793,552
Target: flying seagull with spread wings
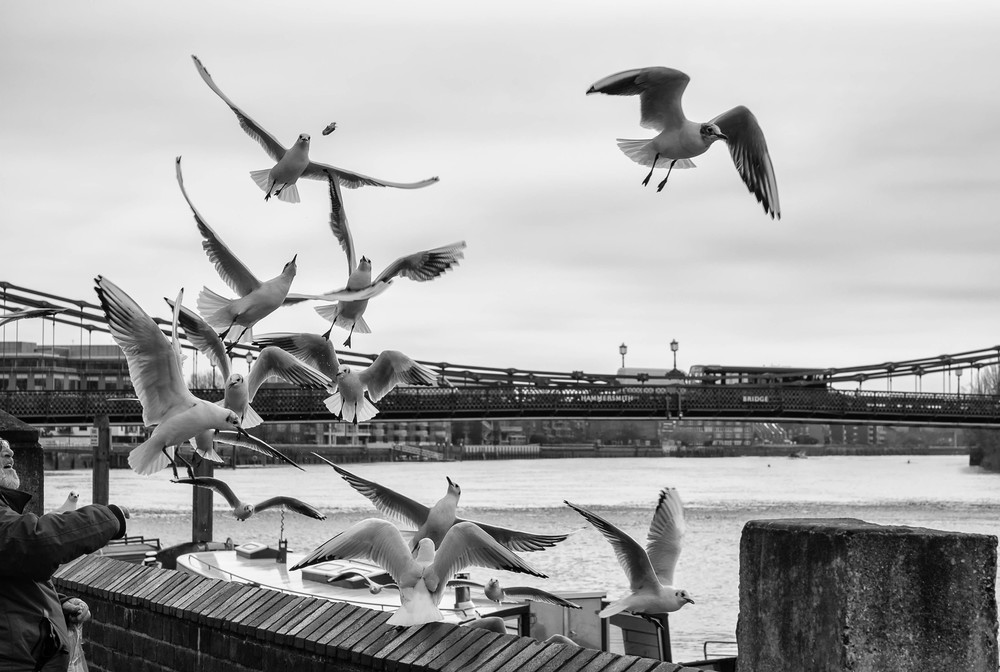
418,266
294,162
680,139
28,313
434,522
243,510
421,577
650,571
155,371
390,369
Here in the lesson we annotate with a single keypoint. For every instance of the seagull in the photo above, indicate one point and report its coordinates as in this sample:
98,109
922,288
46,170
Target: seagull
243,510
313,349
680,139
374,587
434,522
330,128
390,369
156,375
500,594
70,504
271,363
419,266
421,578
294,163
651,571
27,313
251,442
258,299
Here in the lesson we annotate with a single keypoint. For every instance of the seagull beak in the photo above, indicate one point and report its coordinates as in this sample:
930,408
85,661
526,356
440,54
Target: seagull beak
242,433
450,482
689,600
722,136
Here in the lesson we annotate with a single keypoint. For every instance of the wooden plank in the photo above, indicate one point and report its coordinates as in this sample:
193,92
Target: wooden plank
130,593
334,640
454,636
312,634
100,476
375,626
474,641
135,573
272,609
142,596
663,666
319,617
280,613
434,633
376,641
165,590
570,658
167,599
93,569
345,618
182,607
219,616
246,603
529,658
511,652
403,640
464,660
204,604
602,662
283,634
266,599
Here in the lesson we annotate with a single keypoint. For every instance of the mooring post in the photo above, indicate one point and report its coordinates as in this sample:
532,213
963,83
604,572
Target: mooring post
201,503
102,460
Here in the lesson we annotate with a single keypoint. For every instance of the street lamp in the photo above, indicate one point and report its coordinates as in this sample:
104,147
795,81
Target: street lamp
673,349
958,383
249,358
623,349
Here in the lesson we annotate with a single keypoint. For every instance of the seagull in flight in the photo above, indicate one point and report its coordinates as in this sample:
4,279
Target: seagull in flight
28,313
155,371
435,521
419,266
294,162
390,369
421,577
270,363
243,510
680,139
513,594
650,571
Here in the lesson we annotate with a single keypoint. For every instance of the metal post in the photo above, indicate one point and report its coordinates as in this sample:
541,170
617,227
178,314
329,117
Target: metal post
102,460
201,504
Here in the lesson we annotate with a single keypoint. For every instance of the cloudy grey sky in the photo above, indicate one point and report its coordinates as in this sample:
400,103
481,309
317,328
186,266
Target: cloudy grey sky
884,128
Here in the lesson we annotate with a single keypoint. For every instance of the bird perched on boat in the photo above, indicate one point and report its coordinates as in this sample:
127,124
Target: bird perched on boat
650,571
422,577
680,139
294,162
155,371
270,363
390,368
435,521
510,594
70,504
28,313
257,299
243,510
419,266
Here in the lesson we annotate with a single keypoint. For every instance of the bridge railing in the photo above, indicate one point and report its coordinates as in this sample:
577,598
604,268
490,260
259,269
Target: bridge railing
667,402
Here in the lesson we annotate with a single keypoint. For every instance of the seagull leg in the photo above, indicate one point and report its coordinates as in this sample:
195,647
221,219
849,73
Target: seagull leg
655,159
222,336
173,464
186,464
229,347
652,619
347,343
664,183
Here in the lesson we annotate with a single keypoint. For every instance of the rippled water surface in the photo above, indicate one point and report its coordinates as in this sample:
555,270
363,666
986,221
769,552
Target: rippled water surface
720,495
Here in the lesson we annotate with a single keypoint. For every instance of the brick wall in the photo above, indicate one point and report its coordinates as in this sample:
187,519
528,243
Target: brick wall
148,619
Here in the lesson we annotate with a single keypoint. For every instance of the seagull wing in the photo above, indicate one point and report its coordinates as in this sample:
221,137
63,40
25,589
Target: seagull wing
465,544
203,337
347,294
152,365
276,363
251,442
296,505
631,556
516,540
373,538
659,91
538,595
386,500
321,171
663,545
230,268
426,265
28,313
312,349
749,151
217,485
252,128
392,368
338,223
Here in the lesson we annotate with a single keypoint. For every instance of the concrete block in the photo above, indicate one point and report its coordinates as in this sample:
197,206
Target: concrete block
838,595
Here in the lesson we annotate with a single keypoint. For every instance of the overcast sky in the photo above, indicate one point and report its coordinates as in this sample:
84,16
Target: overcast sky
883,126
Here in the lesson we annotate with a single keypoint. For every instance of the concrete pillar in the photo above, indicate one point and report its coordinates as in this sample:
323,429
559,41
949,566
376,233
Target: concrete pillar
833,595
101,475
28,459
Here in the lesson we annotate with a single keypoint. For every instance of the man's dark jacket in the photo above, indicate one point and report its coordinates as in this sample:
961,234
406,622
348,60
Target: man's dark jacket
33,634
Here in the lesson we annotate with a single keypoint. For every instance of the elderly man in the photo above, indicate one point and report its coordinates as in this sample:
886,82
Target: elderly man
33,617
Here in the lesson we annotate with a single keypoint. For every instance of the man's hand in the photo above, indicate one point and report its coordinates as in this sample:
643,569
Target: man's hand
76,611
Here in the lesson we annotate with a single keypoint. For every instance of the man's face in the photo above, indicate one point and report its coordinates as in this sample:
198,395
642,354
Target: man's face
8,475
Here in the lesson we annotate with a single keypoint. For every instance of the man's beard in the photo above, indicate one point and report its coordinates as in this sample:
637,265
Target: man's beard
10,479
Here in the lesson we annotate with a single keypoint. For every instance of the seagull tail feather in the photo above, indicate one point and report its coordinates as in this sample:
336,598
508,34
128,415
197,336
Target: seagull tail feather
335,403
289,194
361,327
365,410
262,178
250,418
612,609
214,308
329,312
148,458
643,153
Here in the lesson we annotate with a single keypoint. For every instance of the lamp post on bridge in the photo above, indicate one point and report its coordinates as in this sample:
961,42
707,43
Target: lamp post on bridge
673,348
623,349
249,357
958,383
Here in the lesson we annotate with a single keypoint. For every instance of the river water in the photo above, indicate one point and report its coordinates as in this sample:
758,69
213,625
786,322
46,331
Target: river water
720,496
